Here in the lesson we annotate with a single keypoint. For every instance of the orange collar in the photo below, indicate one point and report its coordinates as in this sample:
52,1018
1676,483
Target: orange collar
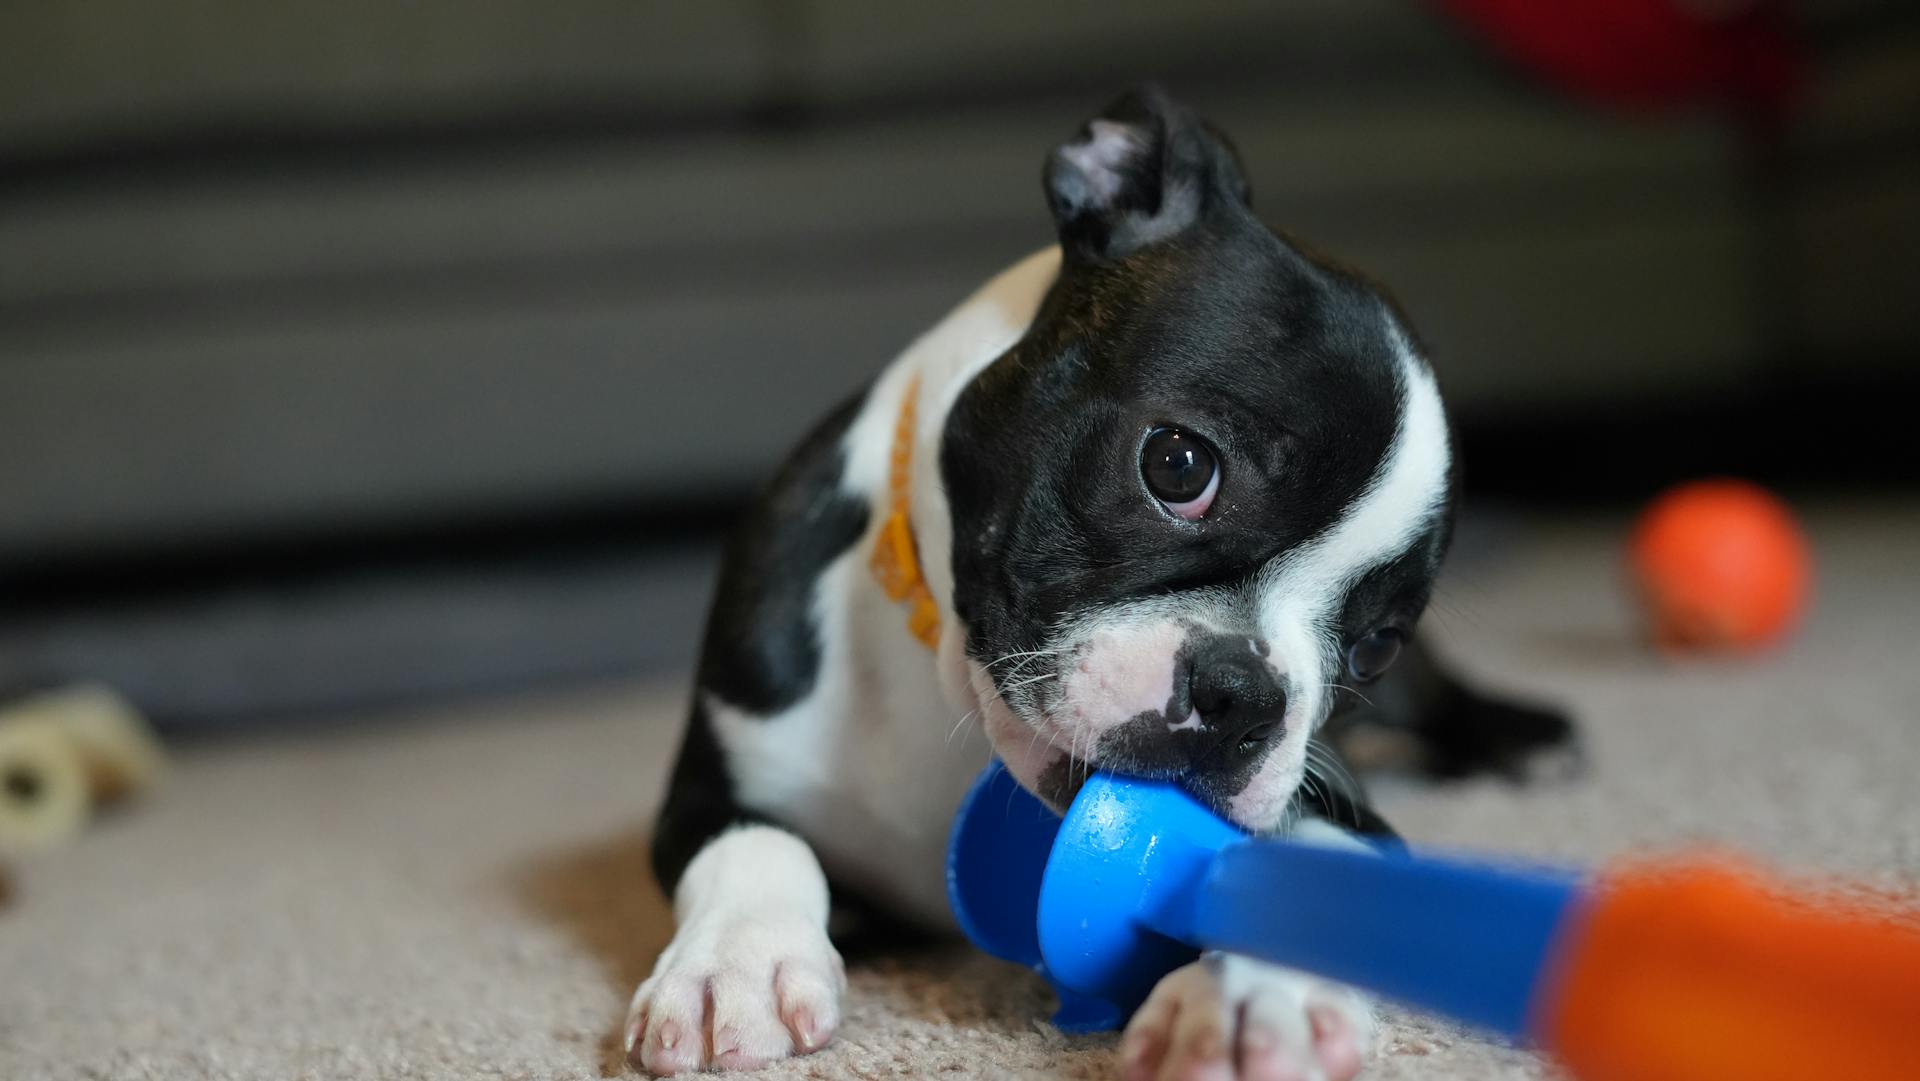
896,560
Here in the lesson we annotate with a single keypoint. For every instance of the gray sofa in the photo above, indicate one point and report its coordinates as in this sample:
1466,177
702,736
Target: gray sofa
271,272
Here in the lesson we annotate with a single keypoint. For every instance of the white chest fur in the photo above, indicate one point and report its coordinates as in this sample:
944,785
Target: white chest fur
870,765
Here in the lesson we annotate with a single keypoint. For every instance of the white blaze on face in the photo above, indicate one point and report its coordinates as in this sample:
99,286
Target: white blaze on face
1300,593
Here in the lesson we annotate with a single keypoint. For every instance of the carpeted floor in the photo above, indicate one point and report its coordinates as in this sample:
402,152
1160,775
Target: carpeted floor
418,899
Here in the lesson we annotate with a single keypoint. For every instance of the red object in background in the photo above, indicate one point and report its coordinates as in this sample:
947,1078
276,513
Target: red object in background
1720,564
1649,54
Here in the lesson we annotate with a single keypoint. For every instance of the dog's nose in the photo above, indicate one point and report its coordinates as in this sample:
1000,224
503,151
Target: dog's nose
1237,694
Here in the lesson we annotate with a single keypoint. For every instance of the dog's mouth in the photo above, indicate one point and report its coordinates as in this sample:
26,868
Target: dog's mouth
1051,746
1037,749
1055,764
1044,755
1061,782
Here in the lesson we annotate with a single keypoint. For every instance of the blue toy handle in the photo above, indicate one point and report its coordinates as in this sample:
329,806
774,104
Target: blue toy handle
1461,940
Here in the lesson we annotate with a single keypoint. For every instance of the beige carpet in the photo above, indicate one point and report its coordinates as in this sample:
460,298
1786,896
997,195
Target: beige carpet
414,899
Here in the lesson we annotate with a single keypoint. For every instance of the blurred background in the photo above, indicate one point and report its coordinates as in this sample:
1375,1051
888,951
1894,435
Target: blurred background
363,353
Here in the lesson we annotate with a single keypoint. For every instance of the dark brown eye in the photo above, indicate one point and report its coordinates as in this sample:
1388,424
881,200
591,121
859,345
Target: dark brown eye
1180,471
1371,656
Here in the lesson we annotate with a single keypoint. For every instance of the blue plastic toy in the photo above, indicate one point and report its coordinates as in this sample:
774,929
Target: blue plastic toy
1676,969
1139,877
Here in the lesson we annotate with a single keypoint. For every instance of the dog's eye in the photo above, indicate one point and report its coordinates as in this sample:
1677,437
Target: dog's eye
1180,471
1371,656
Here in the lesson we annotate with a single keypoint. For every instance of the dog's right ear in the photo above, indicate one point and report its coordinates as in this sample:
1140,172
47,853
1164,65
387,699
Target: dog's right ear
1143,170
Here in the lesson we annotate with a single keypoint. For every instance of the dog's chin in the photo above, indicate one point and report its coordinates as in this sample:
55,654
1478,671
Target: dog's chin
1028,751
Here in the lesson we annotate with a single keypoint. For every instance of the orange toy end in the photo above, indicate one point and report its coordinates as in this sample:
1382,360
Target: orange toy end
1720,564
1702,971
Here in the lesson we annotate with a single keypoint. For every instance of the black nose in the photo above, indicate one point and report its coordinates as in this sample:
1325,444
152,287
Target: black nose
1236,692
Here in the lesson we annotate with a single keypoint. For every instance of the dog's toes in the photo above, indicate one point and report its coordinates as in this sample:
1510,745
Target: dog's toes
666,1032
635,1030
807,999
736,998
759,1017
1182,1032
1275,1041
1227,1017
1144,1046
1336,1042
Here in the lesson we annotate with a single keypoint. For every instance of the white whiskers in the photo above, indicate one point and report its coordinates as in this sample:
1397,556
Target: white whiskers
1325,772
1355,691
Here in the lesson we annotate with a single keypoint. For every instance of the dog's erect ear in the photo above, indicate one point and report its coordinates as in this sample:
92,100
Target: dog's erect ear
1143,170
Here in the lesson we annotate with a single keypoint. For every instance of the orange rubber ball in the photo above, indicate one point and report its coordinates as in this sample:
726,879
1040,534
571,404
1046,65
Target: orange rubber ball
1720,564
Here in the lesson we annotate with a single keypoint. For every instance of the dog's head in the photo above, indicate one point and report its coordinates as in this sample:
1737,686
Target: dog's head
1203,497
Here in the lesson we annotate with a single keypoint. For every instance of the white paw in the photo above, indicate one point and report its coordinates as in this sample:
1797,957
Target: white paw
735,993
1226,1017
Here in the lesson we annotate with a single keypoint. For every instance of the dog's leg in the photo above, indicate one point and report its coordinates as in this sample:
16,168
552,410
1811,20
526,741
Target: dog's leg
1424,719
750,976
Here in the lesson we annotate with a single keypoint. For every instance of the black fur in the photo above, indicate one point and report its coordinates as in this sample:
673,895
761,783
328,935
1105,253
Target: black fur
700,803
1281,365
761,651
1423,719
1340,800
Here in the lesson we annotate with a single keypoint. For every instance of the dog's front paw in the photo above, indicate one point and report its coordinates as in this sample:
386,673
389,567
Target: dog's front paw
735,993
1226,1017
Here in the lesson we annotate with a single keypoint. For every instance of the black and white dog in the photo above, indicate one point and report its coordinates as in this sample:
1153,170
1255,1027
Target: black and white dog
1154,500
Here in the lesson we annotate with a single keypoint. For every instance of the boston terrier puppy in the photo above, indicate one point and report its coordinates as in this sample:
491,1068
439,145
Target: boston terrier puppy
1155,500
